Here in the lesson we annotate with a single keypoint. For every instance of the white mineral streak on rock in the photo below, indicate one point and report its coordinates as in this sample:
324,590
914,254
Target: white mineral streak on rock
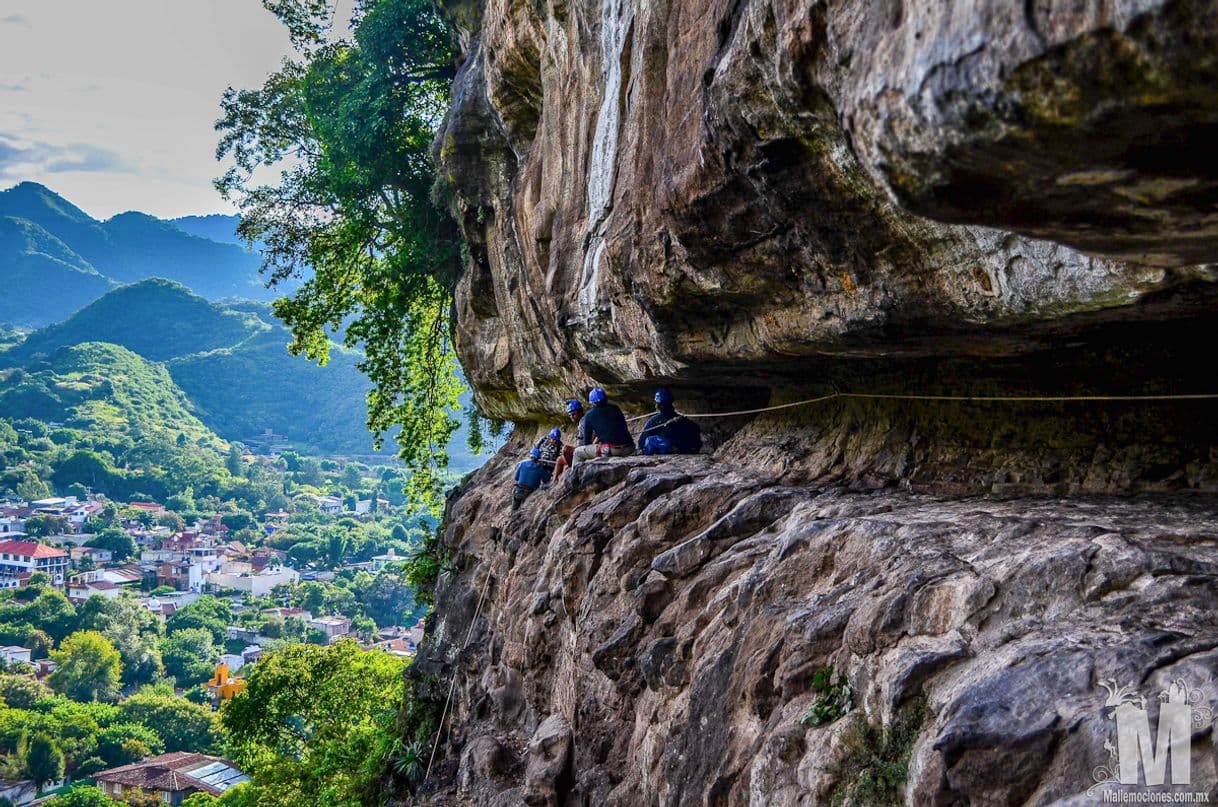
602,167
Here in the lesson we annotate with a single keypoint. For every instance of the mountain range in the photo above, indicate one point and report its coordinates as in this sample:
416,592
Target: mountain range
54,257
227,361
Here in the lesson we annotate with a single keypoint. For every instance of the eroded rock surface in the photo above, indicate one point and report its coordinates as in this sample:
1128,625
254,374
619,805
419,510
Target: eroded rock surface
653,630
663,189
761,201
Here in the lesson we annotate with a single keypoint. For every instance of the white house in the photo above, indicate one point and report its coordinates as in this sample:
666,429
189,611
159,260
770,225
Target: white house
13,654
333,626
331,505
240,576
234,661
21,557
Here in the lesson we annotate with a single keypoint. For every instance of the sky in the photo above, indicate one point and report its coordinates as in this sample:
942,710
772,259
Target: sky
112,104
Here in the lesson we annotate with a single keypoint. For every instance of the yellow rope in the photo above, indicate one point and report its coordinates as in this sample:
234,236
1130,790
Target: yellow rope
959,398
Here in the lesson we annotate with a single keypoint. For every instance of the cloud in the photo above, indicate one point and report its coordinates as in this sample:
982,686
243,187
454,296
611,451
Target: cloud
20,158
14,88
16,19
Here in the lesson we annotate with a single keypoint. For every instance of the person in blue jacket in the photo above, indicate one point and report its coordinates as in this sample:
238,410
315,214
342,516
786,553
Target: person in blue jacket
668,431
530,475
605,433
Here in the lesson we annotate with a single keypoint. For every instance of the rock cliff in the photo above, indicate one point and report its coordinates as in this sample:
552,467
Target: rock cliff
862,600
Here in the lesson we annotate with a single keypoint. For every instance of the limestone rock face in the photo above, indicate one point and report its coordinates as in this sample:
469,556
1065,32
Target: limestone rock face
657,631
865,600
674,189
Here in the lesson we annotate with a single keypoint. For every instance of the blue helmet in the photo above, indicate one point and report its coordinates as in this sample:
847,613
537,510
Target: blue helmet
574,406
555,434
664,397
597,396
535,453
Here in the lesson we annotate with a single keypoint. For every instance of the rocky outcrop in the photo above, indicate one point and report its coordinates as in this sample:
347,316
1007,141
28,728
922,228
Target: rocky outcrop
867,600
689,631
669,190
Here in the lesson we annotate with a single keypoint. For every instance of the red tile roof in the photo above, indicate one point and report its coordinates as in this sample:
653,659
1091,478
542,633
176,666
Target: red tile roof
31,549
164,773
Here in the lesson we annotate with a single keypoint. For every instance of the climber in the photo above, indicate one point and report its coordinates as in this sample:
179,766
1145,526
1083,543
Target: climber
668,431
575,411
550,446
605,433
530,475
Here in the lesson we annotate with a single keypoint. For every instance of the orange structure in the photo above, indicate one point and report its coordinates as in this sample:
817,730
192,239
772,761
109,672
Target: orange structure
223,686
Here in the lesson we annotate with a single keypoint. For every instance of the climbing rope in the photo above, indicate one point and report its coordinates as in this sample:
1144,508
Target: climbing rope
453,684
957,398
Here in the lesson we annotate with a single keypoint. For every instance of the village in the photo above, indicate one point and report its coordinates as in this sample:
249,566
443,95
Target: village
174,569
166,569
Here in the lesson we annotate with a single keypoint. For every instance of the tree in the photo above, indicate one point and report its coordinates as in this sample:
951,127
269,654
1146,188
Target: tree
39,643
207,612
88,668
40,526
234,461
184,726
336,547
117,541
133,630
20,692
311,720
31,490
81,795
51,612
190,655
124,743
44,760
352,123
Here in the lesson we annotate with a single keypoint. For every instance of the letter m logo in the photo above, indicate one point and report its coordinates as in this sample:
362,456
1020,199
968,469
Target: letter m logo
1134,742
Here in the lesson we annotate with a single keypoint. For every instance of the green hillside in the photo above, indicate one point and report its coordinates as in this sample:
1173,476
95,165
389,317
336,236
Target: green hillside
231,361
103,389
242,391
43,279
156,318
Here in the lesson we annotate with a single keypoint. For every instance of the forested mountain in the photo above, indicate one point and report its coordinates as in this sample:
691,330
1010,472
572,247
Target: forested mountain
157,318
55,257
43,278
104,389
229,362
217,227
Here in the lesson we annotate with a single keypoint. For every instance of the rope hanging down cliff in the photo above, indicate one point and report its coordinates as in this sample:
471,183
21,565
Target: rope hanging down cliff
1204,396
453,684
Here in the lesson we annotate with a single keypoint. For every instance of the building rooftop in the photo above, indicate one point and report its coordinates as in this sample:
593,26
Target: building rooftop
176,772
31,549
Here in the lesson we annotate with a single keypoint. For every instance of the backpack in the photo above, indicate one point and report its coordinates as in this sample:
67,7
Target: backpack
657,444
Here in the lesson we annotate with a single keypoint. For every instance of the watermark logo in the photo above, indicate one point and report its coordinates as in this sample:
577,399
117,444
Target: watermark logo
1149,758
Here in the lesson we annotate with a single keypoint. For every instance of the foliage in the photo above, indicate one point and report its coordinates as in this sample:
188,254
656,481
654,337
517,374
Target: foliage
118,542
190,655
125,743
208,612
833,698
88,668
81,795
352,124
20,692
133,630
875,762
309,725
184,726
43,760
